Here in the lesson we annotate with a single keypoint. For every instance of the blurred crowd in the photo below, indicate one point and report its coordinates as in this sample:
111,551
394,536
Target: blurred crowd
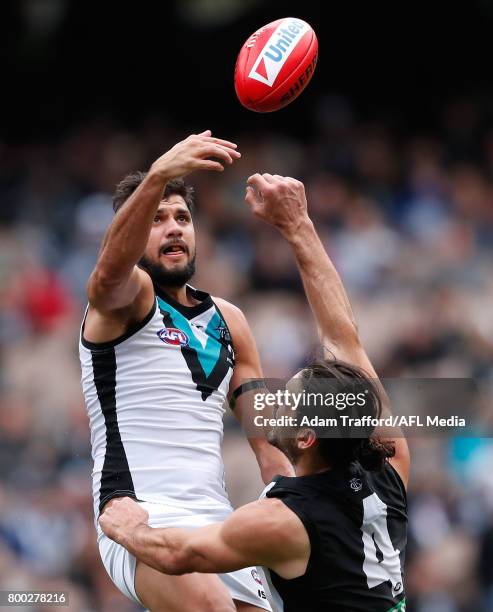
408,221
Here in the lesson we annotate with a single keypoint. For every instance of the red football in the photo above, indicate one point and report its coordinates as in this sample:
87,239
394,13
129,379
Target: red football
276,64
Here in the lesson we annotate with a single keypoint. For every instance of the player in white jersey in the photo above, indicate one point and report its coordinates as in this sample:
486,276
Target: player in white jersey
159,359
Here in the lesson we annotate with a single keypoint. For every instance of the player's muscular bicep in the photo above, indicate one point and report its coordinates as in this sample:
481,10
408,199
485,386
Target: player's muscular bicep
264,532
247,360
267,532
247,366
244,385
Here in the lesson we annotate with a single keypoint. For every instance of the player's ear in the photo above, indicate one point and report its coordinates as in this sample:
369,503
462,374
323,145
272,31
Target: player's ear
306,438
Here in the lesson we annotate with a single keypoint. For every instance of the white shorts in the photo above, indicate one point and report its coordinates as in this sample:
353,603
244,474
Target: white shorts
243,585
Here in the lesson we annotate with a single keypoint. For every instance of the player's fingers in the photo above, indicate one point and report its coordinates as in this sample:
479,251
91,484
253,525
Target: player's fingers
233,152
254,201
268,177
258,181
205,133
219,141
252,197
292,180
216,151
209,164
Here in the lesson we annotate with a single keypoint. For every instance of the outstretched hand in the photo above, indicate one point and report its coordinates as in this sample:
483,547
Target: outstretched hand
278,200
194,153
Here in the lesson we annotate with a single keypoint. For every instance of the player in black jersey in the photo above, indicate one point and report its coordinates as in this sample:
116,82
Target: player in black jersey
334,536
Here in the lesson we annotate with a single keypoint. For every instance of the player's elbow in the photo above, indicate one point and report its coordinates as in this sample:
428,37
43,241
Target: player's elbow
100,280
176,562
344,334
171,563
348,326
96,288
105,289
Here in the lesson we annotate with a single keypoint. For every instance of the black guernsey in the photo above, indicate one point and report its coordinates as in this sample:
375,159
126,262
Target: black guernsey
357,525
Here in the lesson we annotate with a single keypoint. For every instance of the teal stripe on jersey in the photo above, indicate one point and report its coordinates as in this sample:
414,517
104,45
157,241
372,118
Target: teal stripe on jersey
208,356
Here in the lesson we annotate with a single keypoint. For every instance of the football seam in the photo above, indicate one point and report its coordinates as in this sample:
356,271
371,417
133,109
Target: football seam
243,78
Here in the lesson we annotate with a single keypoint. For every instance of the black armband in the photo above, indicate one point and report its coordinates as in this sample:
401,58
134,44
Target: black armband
244,388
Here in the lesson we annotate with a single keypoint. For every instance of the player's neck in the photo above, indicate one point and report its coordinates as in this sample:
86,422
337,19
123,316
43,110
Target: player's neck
180,294
310,465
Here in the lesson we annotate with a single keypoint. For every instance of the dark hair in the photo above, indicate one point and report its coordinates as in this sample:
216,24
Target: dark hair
348,444
129,184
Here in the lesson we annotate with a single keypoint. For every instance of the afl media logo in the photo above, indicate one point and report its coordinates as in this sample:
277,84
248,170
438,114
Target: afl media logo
173,336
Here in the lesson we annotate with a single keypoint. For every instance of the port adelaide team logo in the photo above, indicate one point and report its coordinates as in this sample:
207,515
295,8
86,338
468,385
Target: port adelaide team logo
173,336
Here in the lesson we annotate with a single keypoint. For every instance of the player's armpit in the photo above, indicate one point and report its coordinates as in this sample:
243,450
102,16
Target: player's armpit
401,461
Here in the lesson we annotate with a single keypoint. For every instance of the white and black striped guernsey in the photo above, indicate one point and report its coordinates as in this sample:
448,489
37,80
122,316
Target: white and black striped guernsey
155,399
357,525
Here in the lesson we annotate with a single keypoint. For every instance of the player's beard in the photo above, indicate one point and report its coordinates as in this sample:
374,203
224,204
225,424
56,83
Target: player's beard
287,444
162,277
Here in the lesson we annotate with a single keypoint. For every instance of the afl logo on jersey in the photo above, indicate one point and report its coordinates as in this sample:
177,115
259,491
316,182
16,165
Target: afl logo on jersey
256,576
173,336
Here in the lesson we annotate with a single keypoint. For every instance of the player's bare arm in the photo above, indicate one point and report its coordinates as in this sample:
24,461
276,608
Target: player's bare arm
265,532
271,461
119,292
281,202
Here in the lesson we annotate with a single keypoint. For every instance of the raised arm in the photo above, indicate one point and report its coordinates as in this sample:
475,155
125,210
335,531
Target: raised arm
271,461
117,288
264,533
281,202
